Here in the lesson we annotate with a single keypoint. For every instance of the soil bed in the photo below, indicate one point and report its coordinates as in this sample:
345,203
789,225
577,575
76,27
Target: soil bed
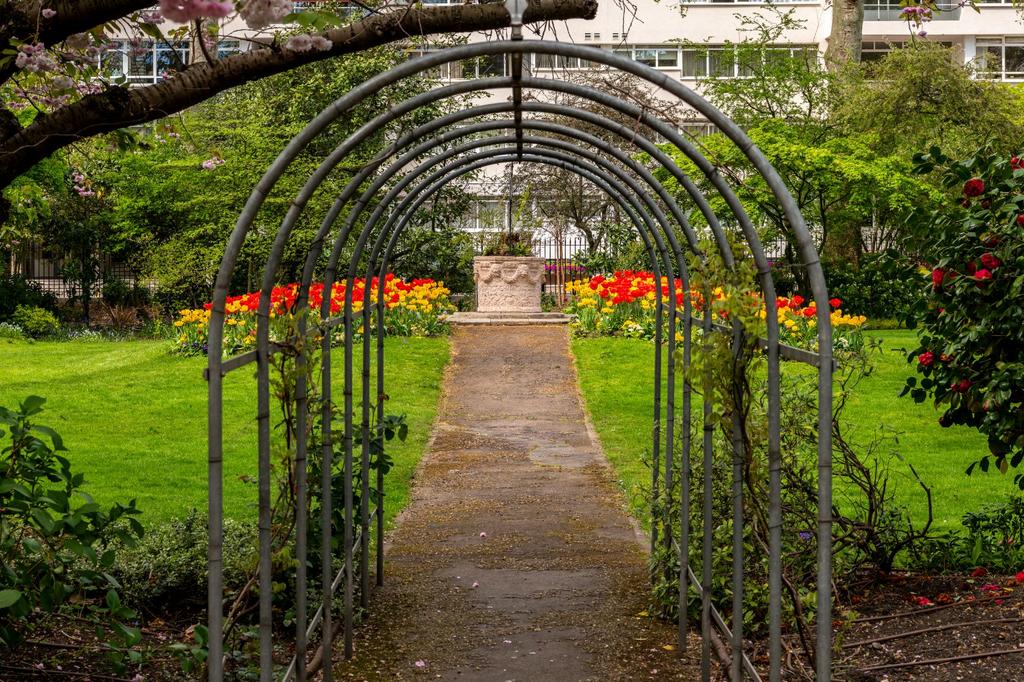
951,627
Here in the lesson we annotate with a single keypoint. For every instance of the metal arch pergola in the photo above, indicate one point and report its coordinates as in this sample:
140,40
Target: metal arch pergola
422,161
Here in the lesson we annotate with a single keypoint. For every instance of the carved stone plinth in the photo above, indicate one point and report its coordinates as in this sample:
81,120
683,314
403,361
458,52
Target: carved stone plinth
508,284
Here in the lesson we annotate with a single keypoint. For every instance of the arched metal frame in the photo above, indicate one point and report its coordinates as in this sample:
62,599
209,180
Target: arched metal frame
574,151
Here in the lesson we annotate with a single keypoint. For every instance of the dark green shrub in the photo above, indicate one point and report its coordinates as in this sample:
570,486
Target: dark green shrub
878,288
970,307
16,291
36,322
168,565
992,538
55,542
117,292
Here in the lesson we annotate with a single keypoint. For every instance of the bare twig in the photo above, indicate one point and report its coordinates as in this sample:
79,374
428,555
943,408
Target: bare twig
939,661
935,628
930,609
50,672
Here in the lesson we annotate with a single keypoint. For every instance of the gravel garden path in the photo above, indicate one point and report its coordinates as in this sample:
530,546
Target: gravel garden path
515,559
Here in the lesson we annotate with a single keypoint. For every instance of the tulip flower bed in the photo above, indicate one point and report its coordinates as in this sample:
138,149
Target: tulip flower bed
623,304
413,308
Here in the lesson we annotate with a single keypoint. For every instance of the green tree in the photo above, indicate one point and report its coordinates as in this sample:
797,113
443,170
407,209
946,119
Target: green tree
179,196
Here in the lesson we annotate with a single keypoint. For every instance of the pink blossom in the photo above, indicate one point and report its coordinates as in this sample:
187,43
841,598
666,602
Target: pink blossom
299,43
49,13
262,13
320,43
184,11
212,162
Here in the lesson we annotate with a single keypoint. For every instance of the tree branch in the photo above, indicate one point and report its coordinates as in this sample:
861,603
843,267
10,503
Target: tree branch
73,16
119,107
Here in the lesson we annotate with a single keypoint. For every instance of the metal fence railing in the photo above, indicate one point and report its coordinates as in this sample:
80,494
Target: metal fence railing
39,265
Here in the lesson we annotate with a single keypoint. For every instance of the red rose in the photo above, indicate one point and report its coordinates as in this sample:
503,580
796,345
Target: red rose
974,187
982,276
926,358
938,274
990,261
835,302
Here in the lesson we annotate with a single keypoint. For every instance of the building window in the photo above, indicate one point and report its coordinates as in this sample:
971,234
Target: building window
443,72
1000,58
146,62
873,51
696,128
546,62
714,61
484,66
226,48
745,2
658,57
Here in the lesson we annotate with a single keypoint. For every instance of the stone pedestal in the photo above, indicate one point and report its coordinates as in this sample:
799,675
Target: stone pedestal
508,284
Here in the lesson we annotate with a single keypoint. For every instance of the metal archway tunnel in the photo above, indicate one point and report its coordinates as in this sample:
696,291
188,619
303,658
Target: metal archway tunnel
357,237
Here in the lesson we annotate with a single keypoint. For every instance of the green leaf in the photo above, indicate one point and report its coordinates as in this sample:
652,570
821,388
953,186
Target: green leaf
9,598
58,442
113,600
32,405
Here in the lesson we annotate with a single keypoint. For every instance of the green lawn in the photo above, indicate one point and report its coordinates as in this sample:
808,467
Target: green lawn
133,417
616,379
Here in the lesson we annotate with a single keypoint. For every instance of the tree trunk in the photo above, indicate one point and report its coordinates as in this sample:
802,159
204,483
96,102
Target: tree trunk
847,32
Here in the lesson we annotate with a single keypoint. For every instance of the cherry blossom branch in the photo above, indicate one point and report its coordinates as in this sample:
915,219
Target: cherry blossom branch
118,107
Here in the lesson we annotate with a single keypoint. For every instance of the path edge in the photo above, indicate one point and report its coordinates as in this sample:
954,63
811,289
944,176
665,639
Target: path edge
640,535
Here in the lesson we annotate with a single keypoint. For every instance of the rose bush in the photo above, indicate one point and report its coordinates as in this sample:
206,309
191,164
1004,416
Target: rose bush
970,360
413,308
624,304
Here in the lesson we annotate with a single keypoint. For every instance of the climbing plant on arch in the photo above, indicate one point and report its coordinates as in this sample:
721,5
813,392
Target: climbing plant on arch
336,438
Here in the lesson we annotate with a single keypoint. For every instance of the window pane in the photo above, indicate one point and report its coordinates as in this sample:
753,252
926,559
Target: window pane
668,57
112,62
1014,60
226,48
694,64
721,63
492,65
545,61
989,59
140,63
171,60
646,56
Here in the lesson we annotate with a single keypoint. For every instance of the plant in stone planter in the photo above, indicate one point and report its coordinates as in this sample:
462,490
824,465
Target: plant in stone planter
511,243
